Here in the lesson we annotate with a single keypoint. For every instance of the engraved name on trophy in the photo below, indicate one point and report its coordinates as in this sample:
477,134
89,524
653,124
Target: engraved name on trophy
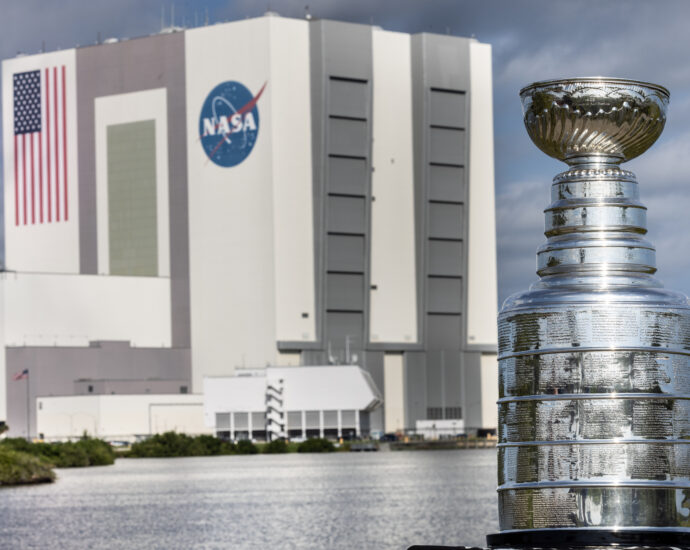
594,384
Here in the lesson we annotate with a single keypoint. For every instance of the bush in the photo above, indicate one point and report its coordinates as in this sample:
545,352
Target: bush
99,452
172,444
71,456
18,468
276,447
85,452
316,445
246,447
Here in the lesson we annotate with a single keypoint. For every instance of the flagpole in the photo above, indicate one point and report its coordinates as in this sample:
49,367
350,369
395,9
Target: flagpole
28,410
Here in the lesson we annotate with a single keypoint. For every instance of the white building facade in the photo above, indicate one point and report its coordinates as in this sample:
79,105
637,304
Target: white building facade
291,402
320,194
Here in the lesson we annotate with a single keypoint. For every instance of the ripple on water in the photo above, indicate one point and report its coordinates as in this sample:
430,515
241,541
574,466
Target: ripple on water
342,500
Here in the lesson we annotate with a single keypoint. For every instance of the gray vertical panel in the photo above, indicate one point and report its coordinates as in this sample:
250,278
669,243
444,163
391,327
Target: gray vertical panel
342,327
443,380
258,421
447,62
345,253
447,68
445,221
364,422
347,49
341,68
447,183
347,215
440,67
444,332
330,419
294,420
348,419
445,258
434,380
132,198
241,421
348,137
345,291
453,379
348,98
135,65
314,357
312,420
373,364
222,421
348,176
447,108
415,387
472,407
444,294
447,146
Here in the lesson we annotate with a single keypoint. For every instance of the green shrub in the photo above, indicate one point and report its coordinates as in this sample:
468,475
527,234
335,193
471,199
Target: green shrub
276,447
172,444
246,447
316,445
71,456
17,468
98,451
85,452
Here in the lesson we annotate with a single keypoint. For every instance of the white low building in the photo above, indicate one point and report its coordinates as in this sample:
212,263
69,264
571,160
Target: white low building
294,402
118,417
438,429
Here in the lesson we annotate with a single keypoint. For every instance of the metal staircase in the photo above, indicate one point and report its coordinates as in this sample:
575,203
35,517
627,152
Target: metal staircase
275,413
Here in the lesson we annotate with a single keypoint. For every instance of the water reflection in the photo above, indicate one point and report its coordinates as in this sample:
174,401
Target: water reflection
344,500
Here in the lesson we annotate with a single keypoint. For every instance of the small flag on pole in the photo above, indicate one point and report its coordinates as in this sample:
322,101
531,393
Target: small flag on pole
21,375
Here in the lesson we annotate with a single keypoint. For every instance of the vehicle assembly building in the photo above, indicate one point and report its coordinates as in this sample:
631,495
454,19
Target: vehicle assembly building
270,192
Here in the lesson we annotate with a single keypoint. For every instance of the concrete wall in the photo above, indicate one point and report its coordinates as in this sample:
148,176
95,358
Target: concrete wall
250,225
482,298
393,309
55,371
42,216
111,111
153,71
73,310
394,390
118,417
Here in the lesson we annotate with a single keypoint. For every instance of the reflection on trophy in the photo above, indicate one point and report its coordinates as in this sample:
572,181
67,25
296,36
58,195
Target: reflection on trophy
594,408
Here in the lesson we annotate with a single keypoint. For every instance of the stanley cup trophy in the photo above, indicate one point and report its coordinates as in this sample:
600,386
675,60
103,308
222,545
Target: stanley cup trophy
594,385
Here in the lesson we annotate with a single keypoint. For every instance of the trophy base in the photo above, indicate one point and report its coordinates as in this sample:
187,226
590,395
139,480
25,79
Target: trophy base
580,538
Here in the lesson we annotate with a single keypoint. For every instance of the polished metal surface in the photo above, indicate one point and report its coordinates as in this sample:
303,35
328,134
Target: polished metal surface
594,385
594,116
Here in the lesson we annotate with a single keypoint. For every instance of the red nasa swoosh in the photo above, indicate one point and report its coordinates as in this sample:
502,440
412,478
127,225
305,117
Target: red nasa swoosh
244,109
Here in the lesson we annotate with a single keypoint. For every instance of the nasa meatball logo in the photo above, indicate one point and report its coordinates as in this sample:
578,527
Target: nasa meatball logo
229,123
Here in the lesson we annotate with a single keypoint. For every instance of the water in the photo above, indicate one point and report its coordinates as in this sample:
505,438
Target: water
321,501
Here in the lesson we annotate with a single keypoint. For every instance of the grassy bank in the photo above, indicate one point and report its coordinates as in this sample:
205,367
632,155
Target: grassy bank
17,468
172,444
72,454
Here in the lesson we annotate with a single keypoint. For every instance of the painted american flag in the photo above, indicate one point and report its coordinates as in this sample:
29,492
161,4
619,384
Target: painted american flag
41,183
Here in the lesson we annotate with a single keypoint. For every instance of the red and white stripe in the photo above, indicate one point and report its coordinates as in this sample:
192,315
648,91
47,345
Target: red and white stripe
41,179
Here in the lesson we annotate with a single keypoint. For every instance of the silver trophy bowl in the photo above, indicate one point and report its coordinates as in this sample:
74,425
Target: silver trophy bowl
594,359
612,117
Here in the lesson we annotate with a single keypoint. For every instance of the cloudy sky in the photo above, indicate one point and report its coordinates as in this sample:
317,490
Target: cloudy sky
531,39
